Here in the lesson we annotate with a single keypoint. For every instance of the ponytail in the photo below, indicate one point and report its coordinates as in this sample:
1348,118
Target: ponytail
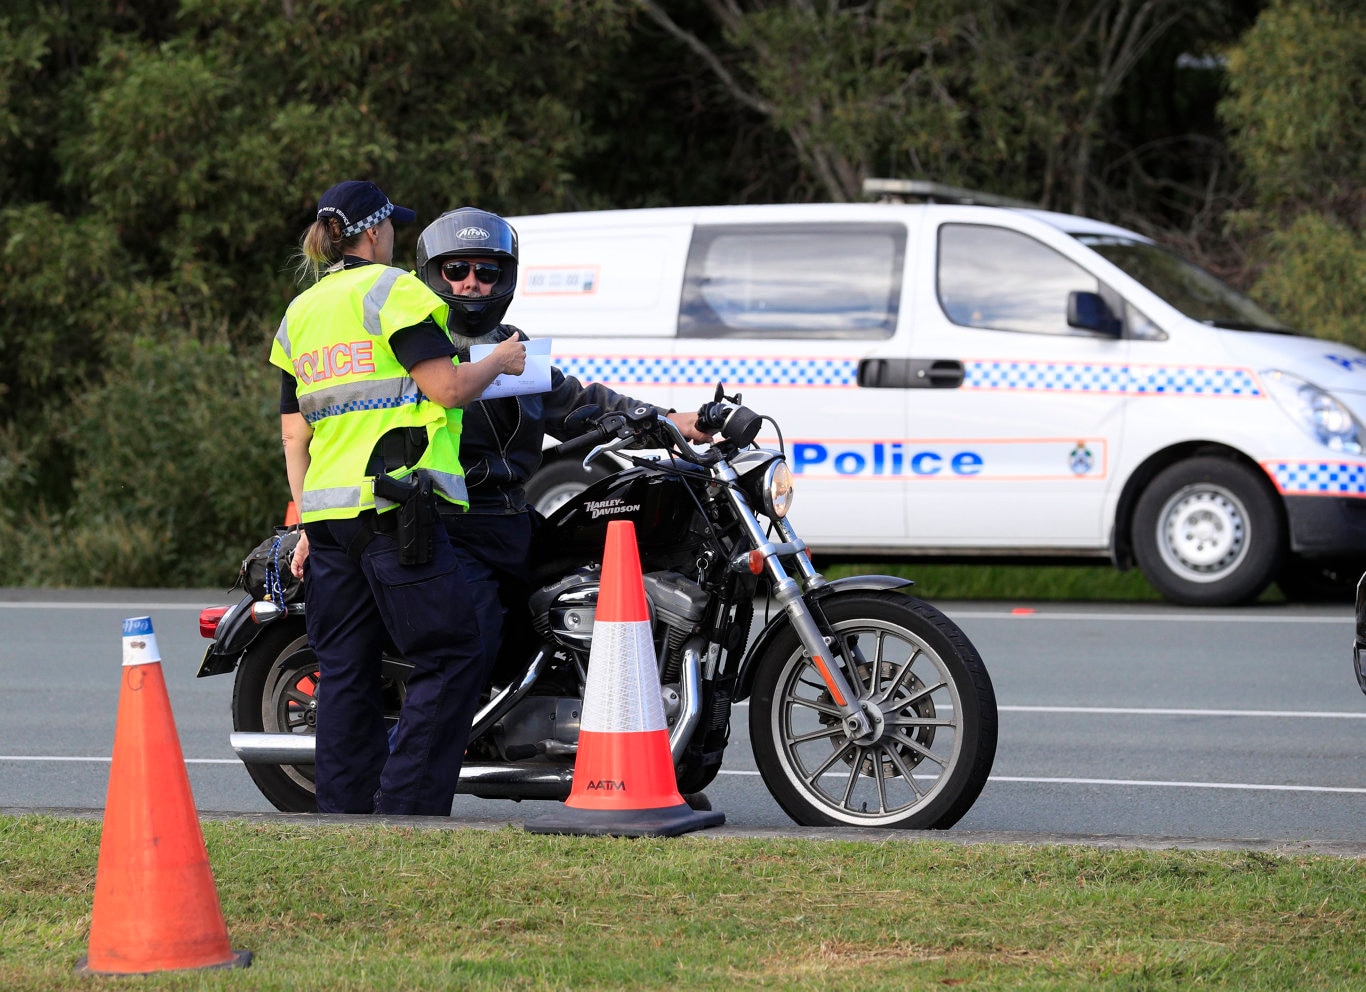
323,246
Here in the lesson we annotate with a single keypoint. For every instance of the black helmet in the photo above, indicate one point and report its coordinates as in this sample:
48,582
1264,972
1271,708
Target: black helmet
469,232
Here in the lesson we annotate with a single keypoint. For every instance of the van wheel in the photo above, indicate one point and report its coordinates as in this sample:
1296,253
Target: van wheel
1207,532
557,482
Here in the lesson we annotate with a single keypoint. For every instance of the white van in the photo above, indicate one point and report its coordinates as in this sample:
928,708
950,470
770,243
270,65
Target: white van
956,381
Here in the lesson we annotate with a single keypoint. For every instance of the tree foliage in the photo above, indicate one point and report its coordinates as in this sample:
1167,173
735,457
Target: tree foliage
159,159
1297,107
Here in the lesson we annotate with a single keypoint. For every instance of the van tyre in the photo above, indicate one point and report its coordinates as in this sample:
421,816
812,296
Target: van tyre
1208,532
930,703
557,482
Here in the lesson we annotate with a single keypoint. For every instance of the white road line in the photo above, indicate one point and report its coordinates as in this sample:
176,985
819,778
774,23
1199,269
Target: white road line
1151,783
1019,779
196,607
97,760
1345,619
1160,711
1155,711
1158,783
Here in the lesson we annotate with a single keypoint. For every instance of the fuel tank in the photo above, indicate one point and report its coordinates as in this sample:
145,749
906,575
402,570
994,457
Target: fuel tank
669,523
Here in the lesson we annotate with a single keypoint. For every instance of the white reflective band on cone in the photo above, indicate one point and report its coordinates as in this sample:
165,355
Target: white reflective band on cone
139,642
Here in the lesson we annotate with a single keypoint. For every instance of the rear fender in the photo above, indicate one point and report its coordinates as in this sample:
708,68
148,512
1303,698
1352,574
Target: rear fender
234,634
852,583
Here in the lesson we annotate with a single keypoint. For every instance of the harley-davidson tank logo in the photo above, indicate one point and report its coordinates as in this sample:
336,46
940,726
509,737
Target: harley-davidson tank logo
610,507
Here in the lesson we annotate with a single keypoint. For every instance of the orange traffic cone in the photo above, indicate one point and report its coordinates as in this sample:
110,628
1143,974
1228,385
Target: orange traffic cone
291,513
624,781
156,908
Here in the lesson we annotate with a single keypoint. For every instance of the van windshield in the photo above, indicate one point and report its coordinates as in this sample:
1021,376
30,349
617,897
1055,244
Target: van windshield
1184,285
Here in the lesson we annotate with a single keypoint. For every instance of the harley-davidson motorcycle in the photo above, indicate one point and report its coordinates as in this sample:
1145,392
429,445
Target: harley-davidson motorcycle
867,706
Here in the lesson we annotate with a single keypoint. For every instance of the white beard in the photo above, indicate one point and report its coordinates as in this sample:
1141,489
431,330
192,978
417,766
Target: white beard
463,341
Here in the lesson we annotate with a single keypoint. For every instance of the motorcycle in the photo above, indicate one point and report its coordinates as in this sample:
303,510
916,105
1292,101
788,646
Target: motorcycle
867,706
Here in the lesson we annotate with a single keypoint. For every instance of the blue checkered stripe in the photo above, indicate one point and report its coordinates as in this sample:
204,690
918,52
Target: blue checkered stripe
1328,478
666,370
1042,377
385,403
1119,379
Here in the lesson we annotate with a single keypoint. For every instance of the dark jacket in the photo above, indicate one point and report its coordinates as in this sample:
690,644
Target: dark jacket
501,440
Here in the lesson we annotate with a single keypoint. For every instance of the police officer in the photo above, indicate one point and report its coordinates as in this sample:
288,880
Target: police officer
370,420
468,257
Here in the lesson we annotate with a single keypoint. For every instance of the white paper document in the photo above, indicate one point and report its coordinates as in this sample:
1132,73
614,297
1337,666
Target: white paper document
535,378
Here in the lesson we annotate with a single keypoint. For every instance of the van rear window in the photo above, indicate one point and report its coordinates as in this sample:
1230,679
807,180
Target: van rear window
793,280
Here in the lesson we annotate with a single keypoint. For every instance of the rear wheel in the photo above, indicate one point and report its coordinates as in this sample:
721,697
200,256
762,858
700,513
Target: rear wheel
276,693
929,700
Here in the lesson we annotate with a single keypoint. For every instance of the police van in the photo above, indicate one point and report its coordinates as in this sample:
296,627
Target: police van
970,378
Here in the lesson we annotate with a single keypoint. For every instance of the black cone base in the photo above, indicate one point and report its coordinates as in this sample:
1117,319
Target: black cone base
664,821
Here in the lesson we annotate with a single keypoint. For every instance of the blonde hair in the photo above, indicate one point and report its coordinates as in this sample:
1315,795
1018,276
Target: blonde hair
323,246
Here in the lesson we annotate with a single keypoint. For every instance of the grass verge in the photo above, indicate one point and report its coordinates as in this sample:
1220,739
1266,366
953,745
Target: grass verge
339,908
1045,583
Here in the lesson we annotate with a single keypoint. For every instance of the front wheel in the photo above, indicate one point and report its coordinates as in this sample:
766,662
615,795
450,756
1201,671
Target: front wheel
928,698
1207,532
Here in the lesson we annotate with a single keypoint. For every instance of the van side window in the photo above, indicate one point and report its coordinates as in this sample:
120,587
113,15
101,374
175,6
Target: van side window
1003,280
793,280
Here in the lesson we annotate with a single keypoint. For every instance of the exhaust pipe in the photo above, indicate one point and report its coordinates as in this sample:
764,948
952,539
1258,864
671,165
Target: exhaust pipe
523,779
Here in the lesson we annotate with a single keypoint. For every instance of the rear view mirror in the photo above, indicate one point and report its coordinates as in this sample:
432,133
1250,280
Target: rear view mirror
1090,312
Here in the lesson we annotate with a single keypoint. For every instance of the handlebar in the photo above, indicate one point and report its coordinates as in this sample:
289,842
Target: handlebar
613,431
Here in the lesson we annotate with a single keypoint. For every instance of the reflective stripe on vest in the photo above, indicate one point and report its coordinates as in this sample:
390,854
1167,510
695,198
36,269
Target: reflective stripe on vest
345,497
377,297
369,394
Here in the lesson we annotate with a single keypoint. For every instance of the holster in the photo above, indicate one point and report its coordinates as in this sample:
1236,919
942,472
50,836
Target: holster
417,517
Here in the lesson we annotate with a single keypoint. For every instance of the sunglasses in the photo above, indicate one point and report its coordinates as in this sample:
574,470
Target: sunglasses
458,270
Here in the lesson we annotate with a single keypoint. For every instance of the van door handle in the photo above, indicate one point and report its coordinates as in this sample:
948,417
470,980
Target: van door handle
910,373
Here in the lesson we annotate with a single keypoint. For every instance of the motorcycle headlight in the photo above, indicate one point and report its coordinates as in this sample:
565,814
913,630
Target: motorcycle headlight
1321,415
778,489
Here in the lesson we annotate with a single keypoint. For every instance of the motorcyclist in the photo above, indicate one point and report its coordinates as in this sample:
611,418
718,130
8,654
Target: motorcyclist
468,257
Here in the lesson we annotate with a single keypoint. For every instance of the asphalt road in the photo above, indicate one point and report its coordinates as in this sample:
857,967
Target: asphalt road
1116,721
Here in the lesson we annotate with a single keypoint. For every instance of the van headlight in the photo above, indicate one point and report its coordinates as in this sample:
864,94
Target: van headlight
1318,412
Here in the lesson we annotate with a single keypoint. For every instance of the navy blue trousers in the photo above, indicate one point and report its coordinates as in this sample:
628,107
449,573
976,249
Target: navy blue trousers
498,546
436,619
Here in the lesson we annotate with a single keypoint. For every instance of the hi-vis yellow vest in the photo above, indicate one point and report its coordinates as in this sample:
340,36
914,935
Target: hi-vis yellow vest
334,340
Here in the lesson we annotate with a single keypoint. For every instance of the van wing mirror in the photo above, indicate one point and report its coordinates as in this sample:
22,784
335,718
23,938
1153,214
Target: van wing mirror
1090,312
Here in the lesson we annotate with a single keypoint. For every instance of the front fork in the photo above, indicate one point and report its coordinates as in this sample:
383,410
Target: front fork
788,592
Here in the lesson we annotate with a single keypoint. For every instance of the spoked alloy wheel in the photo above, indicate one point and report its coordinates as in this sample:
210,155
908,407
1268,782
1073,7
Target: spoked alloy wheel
927,696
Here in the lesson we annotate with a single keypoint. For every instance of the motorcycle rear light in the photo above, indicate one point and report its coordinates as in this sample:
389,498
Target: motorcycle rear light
209,619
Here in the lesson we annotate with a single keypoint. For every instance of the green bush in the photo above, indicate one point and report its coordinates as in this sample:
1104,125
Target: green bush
178,471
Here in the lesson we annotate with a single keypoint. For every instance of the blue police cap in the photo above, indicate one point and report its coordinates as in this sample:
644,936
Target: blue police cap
359,204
